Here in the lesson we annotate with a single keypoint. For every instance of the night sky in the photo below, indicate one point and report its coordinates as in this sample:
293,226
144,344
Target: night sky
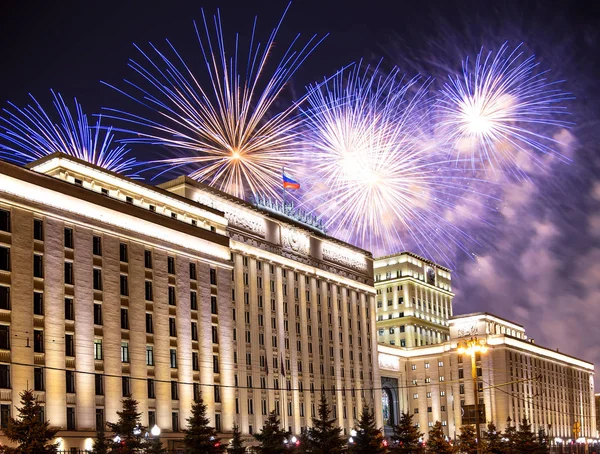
537,263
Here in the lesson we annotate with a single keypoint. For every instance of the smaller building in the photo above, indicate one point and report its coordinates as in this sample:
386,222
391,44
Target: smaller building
516,379
414,300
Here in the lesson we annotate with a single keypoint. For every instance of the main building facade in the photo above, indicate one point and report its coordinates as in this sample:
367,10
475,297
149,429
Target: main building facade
109,287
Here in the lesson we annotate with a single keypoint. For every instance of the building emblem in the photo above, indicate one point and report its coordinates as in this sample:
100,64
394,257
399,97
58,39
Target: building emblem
295,240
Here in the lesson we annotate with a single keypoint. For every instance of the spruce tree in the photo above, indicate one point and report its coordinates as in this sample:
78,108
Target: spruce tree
237,444
101,444
526,440
492,440
128,429
200,438
271,437
467,442
324,436
510,434
154,446
436,443
542,442
29,432
368,439
406,437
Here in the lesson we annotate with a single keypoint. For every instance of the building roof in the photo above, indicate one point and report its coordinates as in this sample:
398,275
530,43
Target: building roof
416,256
487,314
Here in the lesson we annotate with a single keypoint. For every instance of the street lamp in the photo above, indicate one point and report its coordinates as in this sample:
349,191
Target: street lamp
155,431
472,347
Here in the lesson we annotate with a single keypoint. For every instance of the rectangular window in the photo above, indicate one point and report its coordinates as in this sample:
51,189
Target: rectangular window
215,335
38,265
194,331
4,415
69,273
38,341
213,276
4,337
173,358
148,259
70,381
69,345
99,418
69,309
97,349
124,352
149,327
5,220
148,291
124,318
38,303
174,391
4,376
193,301
4,297
126,386
175,421
97,279
215,364
149,355
97,314
193,271
151,392
195,362
172,299
4,258
99,384
217,393
123,253
97,245
69,238
213,305
172,327
38,229
124,284
70,418
38,379
171,265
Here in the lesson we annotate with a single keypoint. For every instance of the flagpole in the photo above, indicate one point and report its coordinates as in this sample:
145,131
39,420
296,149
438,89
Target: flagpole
283,183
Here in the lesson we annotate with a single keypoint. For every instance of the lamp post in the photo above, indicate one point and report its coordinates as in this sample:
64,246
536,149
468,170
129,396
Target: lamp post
472,347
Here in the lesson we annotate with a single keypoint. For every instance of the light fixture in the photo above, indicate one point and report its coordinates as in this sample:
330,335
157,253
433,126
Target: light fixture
117,439
155,431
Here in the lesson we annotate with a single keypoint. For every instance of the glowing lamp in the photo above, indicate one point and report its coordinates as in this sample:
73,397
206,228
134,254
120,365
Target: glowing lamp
155,431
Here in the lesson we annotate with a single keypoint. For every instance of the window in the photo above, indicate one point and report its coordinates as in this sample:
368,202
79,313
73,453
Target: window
426,365
213,276
148,291
151,392
148,259
97,314
149,355
172,296
415,395
5,220
70,418
174,390
38,341
173,358
461,373
4,337
171,265
461,389
126,386
69,309
129,199
69,238
123,255
97,279
414,367
213,305
99,418
193,271
4,297
175,421
193,301
97,245
151,418
429,395
69,273
124,318
4,376
149,327
172,327
124,285
416,411
38,303
99,384
38,379
217,393
442,393
38,265
70,381
215,364
124,352
194,331
195,362
4,258
440,363
69,345
98,349
442,378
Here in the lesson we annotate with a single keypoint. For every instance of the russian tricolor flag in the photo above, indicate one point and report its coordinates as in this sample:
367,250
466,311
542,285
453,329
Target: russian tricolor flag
288,183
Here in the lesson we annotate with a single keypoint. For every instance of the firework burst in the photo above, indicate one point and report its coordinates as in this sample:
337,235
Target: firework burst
30,133
377,178
501,113
227,133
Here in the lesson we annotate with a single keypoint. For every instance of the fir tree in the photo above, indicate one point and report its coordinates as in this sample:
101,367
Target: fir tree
237,444
324,436
128,429
369,439
437,443
101,444
467,440
200,438
492,440
406,437
542,442
526,440
28,430
510,434
154,446
271,437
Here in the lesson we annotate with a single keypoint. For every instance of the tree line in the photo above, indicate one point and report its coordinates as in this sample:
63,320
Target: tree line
32,435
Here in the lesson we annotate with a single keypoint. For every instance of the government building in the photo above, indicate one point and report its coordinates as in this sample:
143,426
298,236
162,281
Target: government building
110,287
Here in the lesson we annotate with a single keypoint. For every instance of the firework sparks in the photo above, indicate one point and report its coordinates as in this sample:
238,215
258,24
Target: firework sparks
30,133
500,113
375,177
226,133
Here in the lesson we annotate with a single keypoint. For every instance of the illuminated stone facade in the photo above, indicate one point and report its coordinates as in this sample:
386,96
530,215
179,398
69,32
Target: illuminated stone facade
109,287
414,300
516,379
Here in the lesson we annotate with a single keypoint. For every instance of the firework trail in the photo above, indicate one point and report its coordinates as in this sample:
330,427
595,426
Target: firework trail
377,178
501,113
226,130
30,133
